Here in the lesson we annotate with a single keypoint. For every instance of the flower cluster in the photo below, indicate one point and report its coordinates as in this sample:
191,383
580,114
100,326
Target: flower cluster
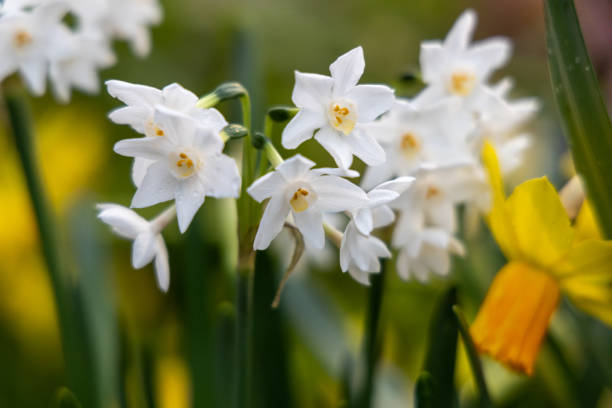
179,157
70,40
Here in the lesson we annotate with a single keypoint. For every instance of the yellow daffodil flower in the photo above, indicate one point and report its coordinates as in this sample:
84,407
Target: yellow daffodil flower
547,257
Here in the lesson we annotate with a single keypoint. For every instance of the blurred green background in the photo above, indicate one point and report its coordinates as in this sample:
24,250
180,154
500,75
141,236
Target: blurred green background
147,349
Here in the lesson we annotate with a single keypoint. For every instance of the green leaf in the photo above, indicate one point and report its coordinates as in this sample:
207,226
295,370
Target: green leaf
442,351
485,400
424,391
582,109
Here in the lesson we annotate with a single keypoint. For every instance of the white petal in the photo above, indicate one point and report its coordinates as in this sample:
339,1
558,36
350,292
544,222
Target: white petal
310,224
490,54
152,148
399,184
124,221
372,101
162,266
336,145
272,222
134,94
359,275
366,148
433,59
157,186
336,194
34,73
443,215
403,265
312,91
178,126
139,170
382,216
333,171
363,221
460,34
207,140
295,167
220,177
437,260
189,197
179,98
266,186
378,197
375,175
347,70
143,249
134,116
302,127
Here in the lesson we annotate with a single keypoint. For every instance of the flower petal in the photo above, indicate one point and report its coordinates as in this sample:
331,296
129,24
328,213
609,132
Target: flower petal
162,266
310,224
336,145
179,98
134,94
336,194
460,34
157,186
266,186
346,71
295,167
152,148
366,148
143,249
312,91
124,221
177,126
372,101
139,170
433,60
489,54
189,198
134,116
34,72
220,177
302,127
272,222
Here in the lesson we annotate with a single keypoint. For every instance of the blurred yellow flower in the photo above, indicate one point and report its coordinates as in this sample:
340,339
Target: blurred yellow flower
547,257
70,151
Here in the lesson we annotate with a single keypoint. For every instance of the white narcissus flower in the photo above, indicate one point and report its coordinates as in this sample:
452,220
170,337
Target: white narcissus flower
29,39
413,134
187,165
139,112
428,253
359,251
338,108
293,188
456,67
148,243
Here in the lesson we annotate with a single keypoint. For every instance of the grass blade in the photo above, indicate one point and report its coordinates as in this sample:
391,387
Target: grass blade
581,107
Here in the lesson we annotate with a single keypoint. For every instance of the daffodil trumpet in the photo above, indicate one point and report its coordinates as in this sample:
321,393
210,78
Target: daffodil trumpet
547,257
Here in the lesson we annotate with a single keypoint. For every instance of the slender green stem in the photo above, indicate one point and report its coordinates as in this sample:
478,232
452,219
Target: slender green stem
371,345
247,221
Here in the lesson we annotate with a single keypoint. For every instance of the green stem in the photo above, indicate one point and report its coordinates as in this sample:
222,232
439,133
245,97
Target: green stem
372,338
247,222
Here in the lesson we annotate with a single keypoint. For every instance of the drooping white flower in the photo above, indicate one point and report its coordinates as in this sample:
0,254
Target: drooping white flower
456,67
293,188
338,108
413,134
187,165
148,243
29,39
139,112
359,251
428,253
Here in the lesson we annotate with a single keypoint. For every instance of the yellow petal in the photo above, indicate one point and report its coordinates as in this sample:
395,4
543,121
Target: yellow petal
514,316
497,219
540,224
586,223
585,276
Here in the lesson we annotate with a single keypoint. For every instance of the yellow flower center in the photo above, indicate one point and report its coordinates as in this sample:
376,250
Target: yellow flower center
152,129
299,200
185,163
22,38
462,83
514,316
432,191
410,144
342,115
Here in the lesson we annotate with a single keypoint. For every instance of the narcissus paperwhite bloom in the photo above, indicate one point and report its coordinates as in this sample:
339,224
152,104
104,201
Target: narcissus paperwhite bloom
547,257
139,112
338,108
413,134
187,165
294,188
456,67
29,39
148,243
359,251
